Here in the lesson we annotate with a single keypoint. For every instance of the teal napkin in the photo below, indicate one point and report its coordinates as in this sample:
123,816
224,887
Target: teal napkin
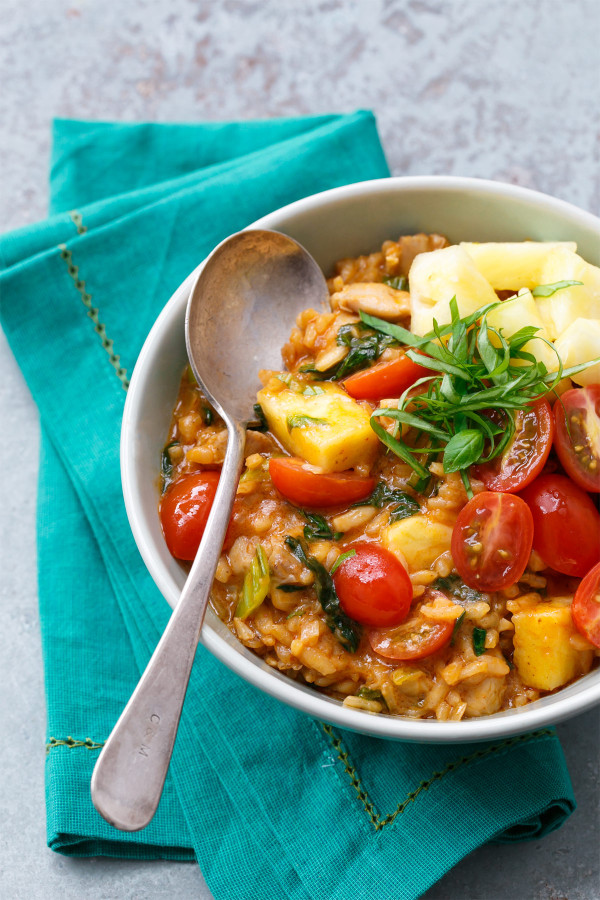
297,809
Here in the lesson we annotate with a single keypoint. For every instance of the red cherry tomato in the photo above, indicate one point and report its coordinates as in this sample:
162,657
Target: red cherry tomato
386,379
491,541
373,586
566,524
577,438
184,510
305,488
526,455
586,607
414,639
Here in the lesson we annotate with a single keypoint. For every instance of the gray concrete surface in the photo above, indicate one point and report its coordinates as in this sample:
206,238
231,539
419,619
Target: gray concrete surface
493,88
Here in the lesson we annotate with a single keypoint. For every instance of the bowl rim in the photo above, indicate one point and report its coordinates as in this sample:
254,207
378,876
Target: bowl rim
505,724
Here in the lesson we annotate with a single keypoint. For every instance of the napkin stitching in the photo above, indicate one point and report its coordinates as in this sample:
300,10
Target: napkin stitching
70,742
379,822
77,221
99,327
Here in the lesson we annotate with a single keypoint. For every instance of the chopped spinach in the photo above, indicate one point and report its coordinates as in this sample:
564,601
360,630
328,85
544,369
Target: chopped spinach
362,350
263,425
166,466
318,528
290,588
479,640
454,585
346,630
404,504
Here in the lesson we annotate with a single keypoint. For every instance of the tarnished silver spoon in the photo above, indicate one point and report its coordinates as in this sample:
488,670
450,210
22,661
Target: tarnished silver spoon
238,317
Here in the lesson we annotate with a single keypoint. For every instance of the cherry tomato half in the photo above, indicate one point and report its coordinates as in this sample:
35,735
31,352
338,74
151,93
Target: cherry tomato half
305,488
373,586
491,541
386,379
577,438
586,607
526,455
566,524
414,639
184,510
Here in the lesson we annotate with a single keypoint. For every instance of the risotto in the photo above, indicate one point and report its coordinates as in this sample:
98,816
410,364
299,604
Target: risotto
415,531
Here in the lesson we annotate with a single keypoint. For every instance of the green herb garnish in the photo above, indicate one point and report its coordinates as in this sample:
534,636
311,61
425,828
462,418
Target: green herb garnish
318,528
398,282
364,347
166,465
475,368
342,559
366,693
454,585
256,585
479,640
263,425
457,625
546,290
303,422
207,415
404,504
291,588
346,630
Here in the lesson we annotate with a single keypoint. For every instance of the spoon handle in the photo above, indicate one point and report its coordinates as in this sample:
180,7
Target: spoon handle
130,773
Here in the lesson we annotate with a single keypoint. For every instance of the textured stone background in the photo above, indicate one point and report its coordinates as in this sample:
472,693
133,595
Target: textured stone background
493,88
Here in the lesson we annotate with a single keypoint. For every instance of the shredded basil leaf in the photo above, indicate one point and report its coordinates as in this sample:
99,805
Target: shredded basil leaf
382,495
303,422
342,559
546,290
463,449
479,640
398,282
346,630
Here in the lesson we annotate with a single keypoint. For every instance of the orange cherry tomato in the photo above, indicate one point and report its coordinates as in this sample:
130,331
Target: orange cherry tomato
586,607
303,487
525,456
373,586
577,438
566,524
491,541
386,379
415,638
184,511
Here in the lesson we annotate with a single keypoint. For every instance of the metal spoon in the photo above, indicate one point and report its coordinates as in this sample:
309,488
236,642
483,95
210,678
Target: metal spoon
238,316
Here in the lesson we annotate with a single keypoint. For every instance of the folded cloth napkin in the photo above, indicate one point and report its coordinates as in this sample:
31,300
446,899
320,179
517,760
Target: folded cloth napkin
297,809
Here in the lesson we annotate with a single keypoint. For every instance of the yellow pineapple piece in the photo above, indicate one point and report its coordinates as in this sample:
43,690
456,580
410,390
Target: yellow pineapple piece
580,343
577,302
318,422
418,540
518,312
435,278
511,266
544,655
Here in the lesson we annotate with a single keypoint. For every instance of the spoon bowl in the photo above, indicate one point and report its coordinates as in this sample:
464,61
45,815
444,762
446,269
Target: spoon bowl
238,314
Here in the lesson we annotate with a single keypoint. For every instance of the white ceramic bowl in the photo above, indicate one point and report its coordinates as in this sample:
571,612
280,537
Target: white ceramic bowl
343,222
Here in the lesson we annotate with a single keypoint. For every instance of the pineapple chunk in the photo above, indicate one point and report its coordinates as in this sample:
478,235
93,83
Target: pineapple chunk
577,302
511,266
518,312
418,540
580,343
543,654
319,423
435,278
